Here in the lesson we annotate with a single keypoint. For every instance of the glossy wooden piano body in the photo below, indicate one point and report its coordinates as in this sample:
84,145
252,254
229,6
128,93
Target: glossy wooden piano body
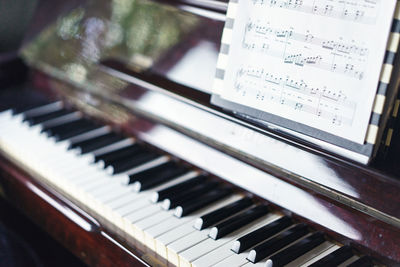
142,86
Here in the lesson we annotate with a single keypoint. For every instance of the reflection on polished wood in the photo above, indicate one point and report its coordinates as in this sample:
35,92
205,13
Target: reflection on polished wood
132,85
64,221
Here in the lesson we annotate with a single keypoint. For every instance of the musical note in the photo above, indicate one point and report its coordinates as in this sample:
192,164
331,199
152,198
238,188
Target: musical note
307,37
298,106
356,11
315,62
338,56
322,102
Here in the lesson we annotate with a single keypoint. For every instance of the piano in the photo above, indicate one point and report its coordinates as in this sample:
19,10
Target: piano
113,148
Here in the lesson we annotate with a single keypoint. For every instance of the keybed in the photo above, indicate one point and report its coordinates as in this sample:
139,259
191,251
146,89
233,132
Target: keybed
206,223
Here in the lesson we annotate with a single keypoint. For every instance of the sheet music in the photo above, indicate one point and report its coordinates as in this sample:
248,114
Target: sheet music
316,62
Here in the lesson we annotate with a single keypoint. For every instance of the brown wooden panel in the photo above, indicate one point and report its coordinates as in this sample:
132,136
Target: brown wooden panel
65,222
375,187
365,232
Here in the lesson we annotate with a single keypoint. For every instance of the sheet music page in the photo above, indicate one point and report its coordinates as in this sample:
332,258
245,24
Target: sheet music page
316,62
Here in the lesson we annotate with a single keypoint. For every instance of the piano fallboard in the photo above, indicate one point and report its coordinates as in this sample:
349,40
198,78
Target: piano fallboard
159,94
340,221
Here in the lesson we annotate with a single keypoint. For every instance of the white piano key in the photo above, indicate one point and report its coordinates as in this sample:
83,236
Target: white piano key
75,181
109,187
167,184
76,173
179,232
173,222
87,174
320,255
140,214
5,116
96,204
86,178
123,205
123,200
258,264
12,124
214,256
234,260
266,262
140,168
129,220
114,194
205,247
89,135
153,163
311,254
112,147
69,168
348,261
43,109
147,193
133,206
178,180
132,211
140,226
161,228
93,197
112,209
102,182
94,184
154,221
184,243
63,119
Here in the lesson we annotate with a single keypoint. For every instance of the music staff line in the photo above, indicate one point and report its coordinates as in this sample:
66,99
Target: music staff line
321,111
313,61
308,38
338,11
348,68
299,87
327,103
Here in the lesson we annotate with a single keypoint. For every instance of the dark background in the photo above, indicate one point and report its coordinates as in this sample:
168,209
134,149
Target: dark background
23,243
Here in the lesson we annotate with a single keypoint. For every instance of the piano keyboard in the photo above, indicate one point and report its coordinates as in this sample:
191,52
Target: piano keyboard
182,214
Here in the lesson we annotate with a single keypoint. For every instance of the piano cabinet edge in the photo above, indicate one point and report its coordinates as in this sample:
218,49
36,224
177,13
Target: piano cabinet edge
97,243
371,181
71,227
135,124
368,182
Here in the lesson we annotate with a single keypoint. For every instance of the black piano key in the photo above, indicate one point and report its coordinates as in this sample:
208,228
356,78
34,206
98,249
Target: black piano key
34,120
364,261
75,131
133,161
166,170
184,196
222,213
226,227
276,243
38,108
109,158
67,127
335,258
97,142
200,202
263,233
22,109
162,178
302,247
175,189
